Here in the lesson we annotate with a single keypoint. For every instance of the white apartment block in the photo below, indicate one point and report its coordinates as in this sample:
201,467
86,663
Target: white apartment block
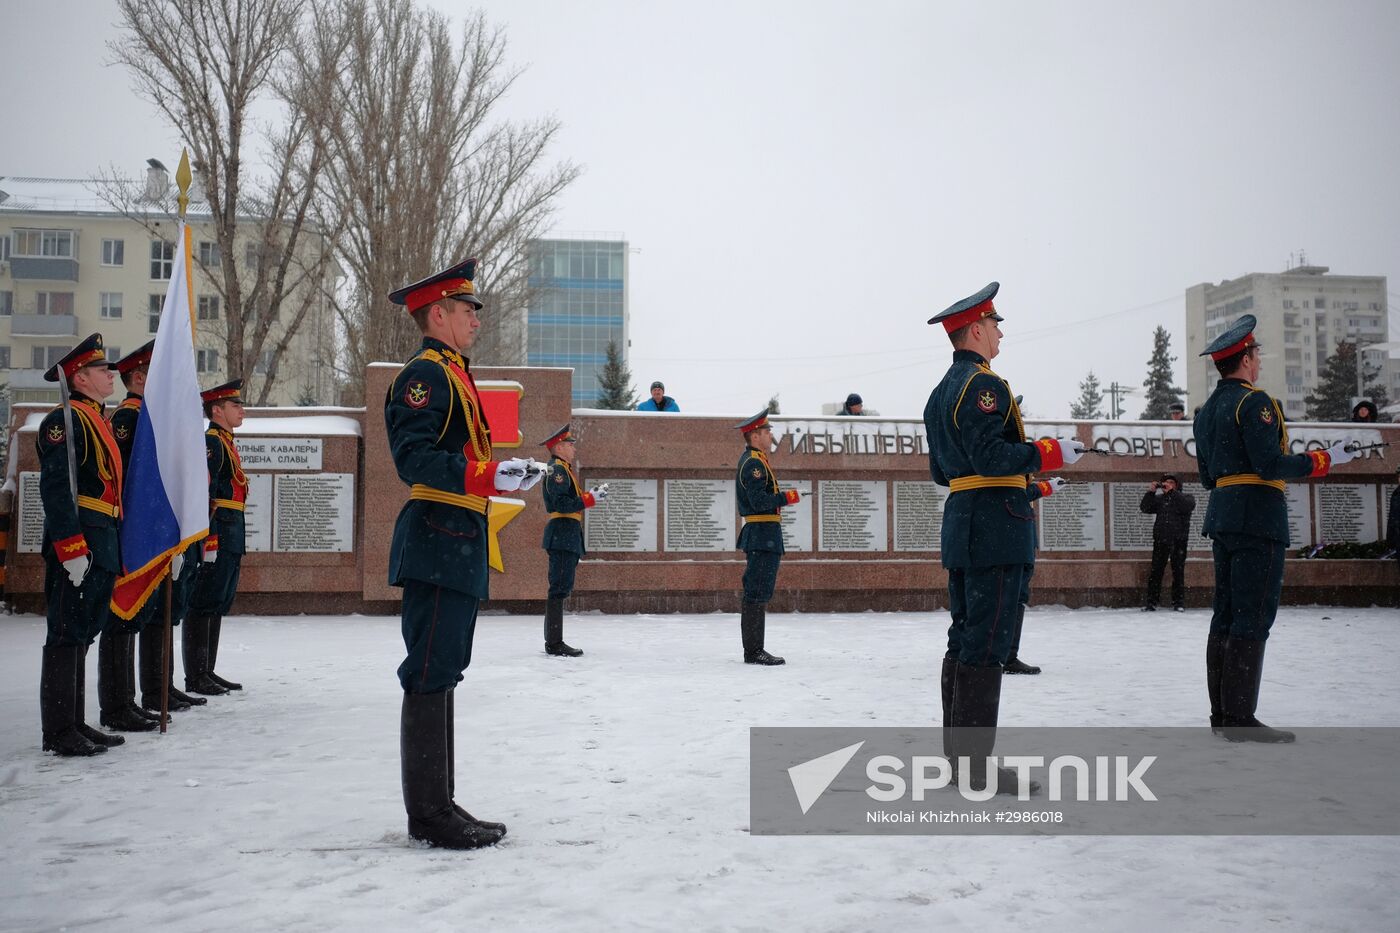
71,264
1302,313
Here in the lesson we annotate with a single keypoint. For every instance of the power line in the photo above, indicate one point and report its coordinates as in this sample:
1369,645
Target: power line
1054,329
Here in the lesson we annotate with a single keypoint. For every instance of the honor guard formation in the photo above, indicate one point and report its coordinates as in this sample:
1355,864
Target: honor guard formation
440,442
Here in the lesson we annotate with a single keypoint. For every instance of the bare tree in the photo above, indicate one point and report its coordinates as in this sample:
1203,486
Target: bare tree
205,64
416,175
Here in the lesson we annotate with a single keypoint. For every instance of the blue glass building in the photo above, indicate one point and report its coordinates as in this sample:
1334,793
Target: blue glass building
578,304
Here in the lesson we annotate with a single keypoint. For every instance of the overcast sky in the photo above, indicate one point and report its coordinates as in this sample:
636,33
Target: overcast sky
804,184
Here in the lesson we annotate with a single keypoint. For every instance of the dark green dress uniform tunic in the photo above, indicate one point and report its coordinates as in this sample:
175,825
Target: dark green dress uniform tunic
563,534
977,446
1242,455
441,445
216,582
76,615
761,539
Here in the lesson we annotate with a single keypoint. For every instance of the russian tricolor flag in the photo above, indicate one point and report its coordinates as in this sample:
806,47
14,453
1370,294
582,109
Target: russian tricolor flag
166,496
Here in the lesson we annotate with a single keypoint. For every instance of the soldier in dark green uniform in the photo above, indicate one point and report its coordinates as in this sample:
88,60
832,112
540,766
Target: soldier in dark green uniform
150,623
116,649
565,501
978,448
216,582
1242,454
441,445
80,545
761,539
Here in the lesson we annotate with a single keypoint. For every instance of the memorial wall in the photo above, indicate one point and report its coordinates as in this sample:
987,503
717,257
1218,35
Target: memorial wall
865,534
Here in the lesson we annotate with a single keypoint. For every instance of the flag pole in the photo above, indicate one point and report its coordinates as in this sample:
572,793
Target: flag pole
182,180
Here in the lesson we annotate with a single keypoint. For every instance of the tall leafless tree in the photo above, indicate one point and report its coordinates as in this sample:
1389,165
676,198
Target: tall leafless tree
206,64
417,173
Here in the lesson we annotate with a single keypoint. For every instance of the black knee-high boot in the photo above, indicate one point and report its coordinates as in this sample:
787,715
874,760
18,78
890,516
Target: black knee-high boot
113,677
976,709
424,763
216,626
152,645
1215,665
57,695
1239,694
554,630
753,620
1015,665
96,736
195,645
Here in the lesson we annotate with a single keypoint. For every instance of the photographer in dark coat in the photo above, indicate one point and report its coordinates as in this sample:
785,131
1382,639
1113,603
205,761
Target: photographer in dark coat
1173,509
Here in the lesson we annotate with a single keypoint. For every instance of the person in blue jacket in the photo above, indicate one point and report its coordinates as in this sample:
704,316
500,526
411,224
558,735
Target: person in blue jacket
659,400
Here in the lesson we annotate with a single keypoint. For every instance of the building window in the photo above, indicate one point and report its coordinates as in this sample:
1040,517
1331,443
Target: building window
208,307
209,256
4,247
7,304
264,361
53,302
154,304
44,244
162,259
206,361
44,357
250,256
114,354
4,357
1319,302
114,252
111,304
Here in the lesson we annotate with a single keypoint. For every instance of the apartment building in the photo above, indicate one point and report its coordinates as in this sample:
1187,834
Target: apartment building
1303,313
72,263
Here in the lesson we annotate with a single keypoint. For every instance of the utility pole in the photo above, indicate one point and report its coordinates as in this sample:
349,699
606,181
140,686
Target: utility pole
1116,408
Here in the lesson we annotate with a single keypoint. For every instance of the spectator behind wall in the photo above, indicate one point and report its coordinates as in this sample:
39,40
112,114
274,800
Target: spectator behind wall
659,400
1170,530
1365,412
853,405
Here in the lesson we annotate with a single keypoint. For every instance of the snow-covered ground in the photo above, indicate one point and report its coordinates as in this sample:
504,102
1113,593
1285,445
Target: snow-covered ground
623,776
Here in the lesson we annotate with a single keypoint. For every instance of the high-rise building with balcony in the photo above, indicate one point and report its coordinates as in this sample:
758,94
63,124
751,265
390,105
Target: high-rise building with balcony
71,263
1303,313
578,305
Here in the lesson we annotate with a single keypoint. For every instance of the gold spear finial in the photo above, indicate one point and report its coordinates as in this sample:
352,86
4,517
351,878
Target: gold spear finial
182,179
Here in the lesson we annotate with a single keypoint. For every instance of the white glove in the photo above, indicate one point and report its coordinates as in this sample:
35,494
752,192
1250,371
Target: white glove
211,554
1339,454
1056,484
599,493
77,568
510,474
534,472
177,563
1070,450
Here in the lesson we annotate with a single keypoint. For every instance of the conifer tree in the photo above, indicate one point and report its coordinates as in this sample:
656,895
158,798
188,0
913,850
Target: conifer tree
616,382
1161,394
1090,403
1336,386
